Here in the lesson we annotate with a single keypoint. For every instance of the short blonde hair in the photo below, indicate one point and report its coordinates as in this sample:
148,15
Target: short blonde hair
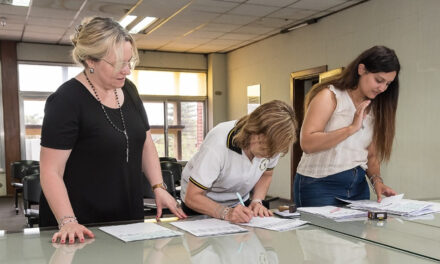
275,120
96,37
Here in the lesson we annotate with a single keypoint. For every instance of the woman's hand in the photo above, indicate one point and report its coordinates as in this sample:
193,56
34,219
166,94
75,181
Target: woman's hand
240,214
381,188
165,200
259,210
360,115
71,231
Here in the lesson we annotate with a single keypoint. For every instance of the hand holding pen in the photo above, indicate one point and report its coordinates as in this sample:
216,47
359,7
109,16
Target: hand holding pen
240,213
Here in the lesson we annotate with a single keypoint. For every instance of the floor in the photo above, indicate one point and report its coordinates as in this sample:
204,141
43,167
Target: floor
8,219
11,222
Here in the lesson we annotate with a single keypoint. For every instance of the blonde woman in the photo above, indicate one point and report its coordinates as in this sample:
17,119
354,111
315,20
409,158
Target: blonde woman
238,157
95,140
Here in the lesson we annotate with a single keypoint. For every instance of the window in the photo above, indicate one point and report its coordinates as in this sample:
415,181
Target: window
36,83
175,103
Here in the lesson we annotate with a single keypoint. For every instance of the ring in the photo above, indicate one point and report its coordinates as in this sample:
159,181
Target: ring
178,205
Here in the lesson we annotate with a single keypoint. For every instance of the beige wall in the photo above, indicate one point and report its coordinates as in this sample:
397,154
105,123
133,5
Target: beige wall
411,28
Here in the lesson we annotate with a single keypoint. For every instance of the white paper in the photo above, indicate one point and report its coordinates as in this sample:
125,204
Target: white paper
209,227
139,231
274,223
396,205
333,212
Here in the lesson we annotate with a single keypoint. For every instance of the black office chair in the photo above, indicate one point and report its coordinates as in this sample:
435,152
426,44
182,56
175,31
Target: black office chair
31,196
19,170
175,168
167,159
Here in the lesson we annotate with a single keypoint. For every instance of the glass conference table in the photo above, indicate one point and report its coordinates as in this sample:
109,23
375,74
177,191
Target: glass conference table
322,241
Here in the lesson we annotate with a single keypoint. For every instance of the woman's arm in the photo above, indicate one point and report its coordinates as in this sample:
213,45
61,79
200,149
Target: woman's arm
373,174
196,199
52,165
151,169
313,138
259,194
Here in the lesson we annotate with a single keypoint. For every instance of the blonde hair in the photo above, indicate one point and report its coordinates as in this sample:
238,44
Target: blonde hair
276,120
96,37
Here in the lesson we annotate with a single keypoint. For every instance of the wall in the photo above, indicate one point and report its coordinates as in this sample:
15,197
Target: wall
407,26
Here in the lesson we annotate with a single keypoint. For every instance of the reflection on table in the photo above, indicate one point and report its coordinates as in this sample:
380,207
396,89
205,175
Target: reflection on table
309,244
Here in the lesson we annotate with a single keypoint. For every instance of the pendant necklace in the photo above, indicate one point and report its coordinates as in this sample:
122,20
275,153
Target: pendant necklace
122,131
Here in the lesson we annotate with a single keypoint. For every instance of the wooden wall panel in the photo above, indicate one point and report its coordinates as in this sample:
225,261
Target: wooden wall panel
11,118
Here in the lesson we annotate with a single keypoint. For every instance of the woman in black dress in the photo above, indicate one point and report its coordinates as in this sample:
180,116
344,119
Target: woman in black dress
95,140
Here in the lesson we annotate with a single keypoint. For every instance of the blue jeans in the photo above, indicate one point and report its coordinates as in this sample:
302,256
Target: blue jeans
350,184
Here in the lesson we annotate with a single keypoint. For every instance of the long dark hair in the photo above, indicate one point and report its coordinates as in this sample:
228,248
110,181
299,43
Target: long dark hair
384,106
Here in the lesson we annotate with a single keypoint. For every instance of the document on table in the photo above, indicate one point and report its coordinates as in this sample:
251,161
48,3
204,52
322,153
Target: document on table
139,231
396,205
334,212
275,223
209,227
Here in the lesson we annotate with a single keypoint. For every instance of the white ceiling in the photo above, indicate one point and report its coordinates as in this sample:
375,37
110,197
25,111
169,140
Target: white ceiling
197,26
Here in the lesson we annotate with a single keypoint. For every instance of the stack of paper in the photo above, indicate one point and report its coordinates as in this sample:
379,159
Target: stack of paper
333,212
274,223
209,227
139,231
396,205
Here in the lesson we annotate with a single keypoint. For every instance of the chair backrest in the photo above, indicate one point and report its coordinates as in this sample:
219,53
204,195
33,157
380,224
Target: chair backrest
167,159
22,168
174,167
31,189
168,179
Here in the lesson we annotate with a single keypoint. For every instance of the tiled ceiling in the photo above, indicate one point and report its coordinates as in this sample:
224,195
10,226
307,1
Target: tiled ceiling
197,26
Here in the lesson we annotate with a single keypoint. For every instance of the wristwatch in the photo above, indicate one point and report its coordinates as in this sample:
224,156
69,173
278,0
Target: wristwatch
159,185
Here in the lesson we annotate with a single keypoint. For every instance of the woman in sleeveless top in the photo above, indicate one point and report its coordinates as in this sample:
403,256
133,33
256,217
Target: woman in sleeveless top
348,130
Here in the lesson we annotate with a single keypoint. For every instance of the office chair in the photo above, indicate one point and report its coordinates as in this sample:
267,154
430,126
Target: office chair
174,167
31,196
167,159
19,170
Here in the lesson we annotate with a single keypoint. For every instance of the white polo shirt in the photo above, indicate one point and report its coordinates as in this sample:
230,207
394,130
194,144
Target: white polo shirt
222,169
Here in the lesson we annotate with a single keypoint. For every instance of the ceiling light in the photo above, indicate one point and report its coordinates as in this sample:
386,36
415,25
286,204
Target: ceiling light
142,25
300,25
21,2
127,20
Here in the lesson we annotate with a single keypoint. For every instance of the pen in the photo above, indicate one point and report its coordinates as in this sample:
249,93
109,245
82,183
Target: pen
239,198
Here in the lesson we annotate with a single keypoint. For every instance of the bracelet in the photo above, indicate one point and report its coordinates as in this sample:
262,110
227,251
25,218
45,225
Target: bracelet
257,201
373,181
218,211
225,213
65,220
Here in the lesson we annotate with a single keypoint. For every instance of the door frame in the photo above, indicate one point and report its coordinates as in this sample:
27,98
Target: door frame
297,95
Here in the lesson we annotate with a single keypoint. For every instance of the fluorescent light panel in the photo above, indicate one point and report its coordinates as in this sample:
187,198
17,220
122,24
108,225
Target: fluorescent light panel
143,24
127,20
21,2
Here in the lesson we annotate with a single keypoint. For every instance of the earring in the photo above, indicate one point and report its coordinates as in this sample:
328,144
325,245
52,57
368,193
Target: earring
92,70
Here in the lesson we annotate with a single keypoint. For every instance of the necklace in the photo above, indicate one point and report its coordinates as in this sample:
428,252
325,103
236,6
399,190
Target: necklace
122,131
